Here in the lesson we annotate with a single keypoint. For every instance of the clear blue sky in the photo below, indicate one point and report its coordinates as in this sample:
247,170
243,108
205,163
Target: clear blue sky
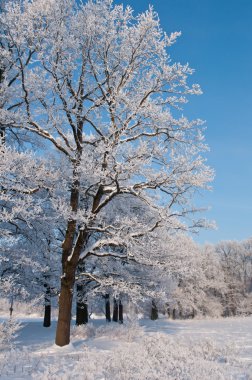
217,42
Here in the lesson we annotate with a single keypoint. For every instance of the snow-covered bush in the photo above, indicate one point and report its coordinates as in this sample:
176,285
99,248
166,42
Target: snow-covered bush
155,357
8,332
164,357
127,332
83,331
17,364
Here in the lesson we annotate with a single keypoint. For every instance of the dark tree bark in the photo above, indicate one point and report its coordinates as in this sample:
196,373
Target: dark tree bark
2,129
180,311
47,316
193,313
67,284
81,306
107,308
47,309
65,308
115,310
168,311
120,312
154,311
174,314
2,134
11,305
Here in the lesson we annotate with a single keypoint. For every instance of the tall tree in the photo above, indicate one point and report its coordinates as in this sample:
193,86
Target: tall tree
96,82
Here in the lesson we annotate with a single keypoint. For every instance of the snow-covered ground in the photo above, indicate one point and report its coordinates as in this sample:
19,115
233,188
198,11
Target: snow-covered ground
159,350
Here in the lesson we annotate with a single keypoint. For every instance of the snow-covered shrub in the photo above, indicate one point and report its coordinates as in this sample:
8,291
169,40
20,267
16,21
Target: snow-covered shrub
17,364
167,358
127,332
8,332
245,305
83,331
155,357
68,367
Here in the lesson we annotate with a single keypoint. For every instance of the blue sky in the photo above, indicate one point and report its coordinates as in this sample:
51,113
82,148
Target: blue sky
217,42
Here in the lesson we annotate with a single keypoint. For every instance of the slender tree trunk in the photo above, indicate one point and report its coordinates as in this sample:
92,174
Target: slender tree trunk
47,316
168,311
180,311
154,311
107,308
115,311
120,312
193,313
11,305
2,129
81,306
2,135
47,310
174,314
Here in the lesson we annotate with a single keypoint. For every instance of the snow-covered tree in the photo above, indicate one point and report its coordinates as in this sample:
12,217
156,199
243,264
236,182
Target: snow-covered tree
95,84
236,263
29,225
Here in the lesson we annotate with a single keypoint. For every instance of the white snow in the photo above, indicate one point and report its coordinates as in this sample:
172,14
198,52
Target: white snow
209,349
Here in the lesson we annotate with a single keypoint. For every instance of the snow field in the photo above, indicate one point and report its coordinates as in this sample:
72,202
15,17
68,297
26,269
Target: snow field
219,349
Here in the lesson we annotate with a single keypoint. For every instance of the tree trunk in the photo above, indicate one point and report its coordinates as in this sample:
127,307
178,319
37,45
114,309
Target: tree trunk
120,312
75,240
193,313
180,311
81,313
2,135
47,316
168,311
180,314
47,310
174,314
69,263
107,308
115,311
65,309
154,311
81,307
2,129
11,305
